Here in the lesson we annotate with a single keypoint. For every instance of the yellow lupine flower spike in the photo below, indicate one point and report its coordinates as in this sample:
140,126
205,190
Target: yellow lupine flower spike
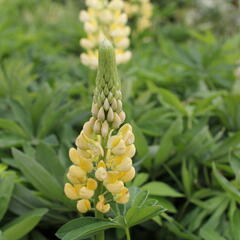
141,11
102,161
104,19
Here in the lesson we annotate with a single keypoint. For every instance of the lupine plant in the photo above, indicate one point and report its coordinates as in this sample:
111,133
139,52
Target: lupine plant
102,163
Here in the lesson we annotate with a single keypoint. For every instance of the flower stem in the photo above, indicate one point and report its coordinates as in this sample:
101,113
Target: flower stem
127,233
100,235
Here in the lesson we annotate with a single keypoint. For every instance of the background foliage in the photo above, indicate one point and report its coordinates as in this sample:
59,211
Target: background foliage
181,93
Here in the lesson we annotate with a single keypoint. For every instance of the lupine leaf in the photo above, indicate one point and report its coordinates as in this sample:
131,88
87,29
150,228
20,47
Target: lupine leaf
38,176
161,189
6,188
84,227
22,225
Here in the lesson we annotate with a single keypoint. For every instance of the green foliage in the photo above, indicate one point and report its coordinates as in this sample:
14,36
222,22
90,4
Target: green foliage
139,209
181,95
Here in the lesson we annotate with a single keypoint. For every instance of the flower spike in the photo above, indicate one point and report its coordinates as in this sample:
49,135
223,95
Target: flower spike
102,161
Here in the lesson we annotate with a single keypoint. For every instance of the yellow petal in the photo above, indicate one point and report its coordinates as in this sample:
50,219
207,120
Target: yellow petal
115,188
130,151
91,184
83,205
85,193
123,196
120,148
101,164
112,176
113,141
125,165
101,206
101,174
70,192
86,164
128,176
77,172
125,129
72,179
81,142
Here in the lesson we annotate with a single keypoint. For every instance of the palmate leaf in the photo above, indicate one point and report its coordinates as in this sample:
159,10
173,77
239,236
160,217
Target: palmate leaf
24,200
22,225
8,140
84,227
22,116
47,157
226,185
207,233
38,176
136,215
161,189
169,98
167,145
140,179
12,127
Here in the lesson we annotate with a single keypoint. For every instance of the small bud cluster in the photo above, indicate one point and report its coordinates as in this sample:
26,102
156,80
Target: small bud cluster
104,19
102,161
140,9
107,112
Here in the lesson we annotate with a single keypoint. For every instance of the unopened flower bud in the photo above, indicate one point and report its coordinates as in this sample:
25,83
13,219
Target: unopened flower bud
104,129
106,104
95,109
110,97
114,104
119,105
122,116
97,127
101,114
116,121
110,115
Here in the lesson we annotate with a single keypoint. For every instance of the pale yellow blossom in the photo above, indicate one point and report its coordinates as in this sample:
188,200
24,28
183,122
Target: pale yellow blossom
104,19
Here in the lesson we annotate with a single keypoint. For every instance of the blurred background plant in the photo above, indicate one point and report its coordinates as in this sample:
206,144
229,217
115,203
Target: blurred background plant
181,93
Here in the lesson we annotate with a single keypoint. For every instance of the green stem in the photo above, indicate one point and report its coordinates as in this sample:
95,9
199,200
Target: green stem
127,233
100,235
